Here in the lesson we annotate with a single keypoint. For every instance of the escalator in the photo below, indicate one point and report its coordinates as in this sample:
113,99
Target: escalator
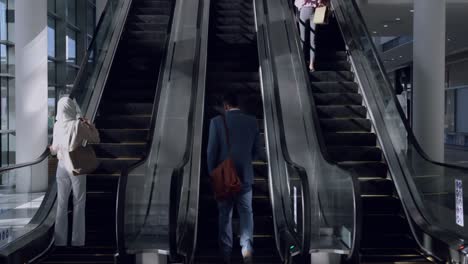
350,141
233,66
124,122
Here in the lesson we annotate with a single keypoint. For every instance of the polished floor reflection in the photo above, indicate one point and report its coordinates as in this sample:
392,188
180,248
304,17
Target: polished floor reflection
16,211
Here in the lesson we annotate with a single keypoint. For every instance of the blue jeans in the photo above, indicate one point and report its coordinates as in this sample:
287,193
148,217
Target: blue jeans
244,208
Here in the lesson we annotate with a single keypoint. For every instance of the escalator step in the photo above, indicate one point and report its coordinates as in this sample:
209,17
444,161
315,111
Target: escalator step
126,108
227,77
343,65
387,241
131,96
341,76
334,87
338,99
146,27
386,224
342,111
112,165
148,19
367,169
350,139
145,35
161,10
124,122
346,125
118,150
123,135
376,186
380,204
355,153
409,255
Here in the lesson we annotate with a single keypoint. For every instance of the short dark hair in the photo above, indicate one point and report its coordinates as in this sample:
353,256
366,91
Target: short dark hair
231,99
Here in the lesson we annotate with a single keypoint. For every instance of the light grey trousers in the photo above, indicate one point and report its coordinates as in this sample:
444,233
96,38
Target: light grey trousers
65,183
307,30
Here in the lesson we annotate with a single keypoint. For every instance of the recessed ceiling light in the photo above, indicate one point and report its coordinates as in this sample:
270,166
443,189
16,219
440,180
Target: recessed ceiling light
412,10
393,59
397,19
385,26
401,56
375,32
449,39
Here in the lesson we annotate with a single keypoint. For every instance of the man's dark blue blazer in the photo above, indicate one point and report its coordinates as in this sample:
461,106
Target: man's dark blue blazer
244,138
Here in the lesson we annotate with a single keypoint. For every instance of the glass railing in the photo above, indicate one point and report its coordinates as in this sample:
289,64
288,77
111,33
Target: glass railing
26,203
327,220
432,192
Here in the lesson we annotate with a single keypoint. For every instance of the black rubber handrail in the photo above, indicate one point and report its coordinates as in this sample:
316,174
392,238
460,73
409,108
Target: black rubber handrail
41,158
123,179
326,156
306,232
177,242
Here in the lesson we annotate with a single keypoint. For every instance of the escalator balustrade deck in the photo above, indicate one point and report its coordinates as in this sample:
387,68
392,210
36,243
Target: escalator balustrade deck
123,122
386,236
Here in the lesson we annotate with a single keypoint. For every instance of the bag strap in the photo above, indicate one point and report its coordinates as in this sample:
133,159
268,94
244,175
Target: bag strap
226,132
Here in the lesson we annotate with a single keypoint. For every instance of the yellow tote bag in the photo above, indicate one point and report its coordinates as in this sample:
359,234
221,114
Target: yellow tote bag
320,15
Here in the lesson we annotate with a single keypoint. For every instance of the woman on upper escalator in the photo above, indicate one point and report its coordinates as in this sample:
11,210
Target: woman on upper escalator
307,27
70,132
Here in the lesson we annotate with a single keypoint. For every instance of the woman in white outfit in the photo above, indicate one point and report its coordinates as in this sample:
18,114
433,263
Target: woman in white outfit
69,133
306,17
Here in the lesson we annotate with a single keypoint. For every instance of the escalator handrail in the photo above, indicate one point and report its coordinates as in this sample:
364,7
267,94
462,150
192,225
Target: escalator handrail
306,232
178,171
326,156
89,51
411,135
41,158
123,179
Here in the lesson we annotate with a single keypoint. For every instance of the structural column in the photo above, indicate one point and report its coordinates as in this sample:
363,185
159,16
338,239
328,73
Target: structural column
429,75
31,91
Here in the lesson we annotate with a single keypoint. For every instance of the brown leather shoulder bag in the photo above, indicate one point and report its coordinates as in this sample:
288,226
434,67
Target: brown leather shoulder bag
224,177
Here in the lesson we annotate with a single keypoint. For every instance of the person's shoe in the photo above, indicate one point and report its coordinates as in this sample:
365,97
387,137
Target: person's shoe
247,257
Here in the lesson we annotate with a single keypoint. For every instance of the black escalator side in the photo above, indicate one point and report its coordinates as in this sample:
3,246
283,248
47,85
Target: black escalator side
123,121
351,143
233,66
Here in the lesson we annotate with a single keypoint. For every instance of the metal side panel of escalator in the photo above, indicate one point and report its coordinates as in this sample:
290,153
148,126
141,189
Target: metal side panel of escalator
117,87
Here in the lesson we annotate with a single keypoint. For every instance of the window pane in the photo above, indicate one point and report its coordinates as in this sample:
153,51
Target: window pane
71,74
91,19
51,37
4,103
51,108
52,72
71,11
3,59
3,20
71,46
51,5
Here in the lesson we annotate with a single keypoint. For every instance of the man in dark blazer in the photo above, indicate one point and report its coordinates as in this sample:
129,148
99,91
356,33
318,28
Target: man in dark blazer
244,139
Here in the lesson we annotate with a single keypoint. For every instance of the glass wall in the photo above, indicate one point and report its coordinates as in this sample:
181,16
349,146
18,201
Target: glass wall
71,25
7,71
